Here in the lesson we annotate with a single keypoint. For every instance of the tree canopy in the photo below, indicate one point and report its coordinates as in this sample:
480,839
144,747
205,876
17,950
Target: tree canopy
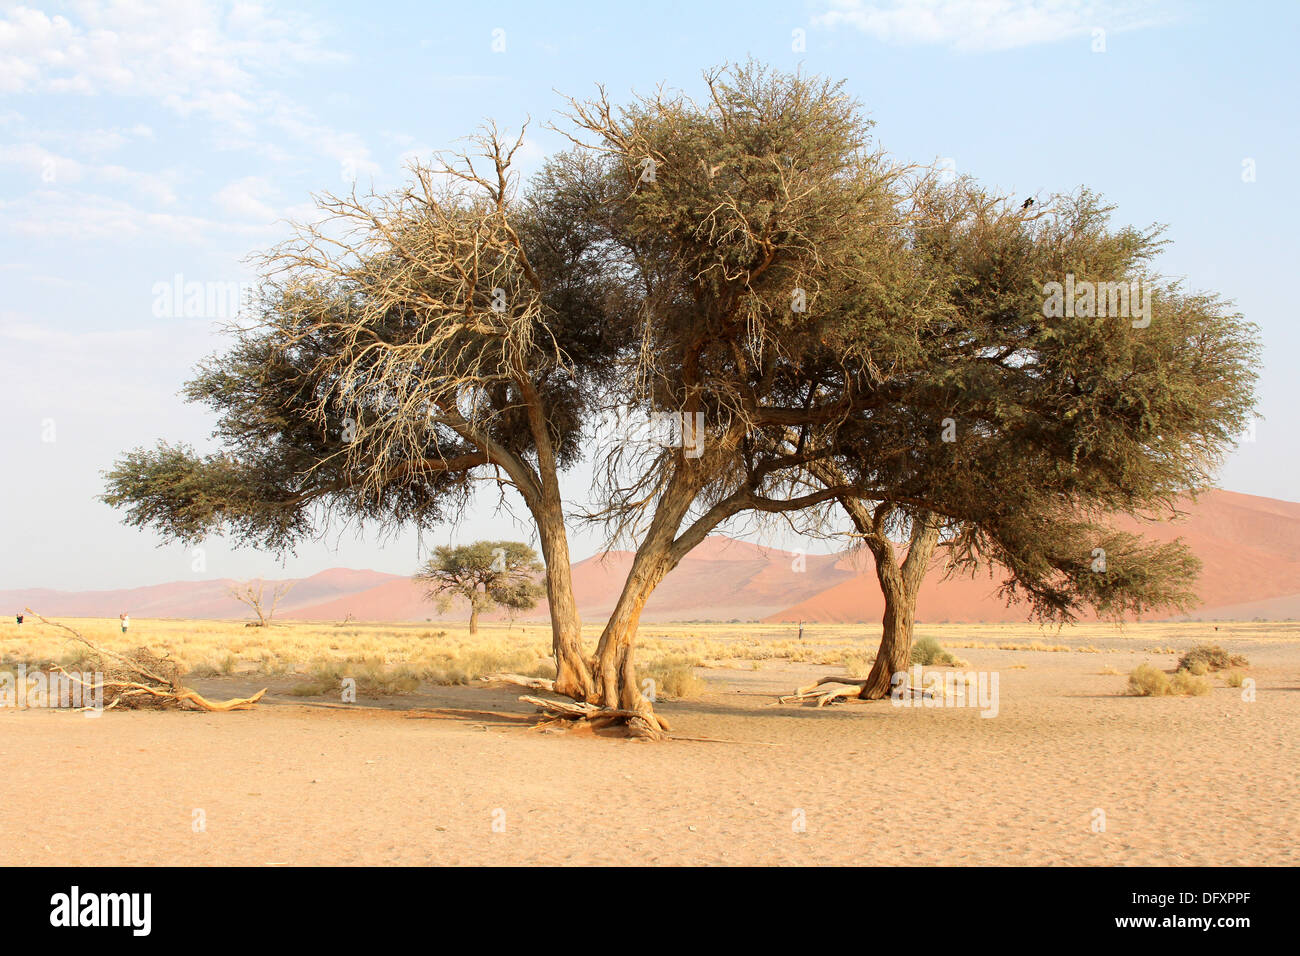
830,327
485,574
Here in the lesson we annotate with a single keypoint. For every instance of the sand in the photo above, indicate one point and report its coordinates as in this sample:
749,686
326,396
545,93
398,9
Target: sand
1208,780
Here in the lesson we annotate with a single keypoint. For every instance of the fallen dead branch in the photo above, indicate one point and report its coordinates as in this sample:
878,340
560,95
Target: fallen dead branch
830,690
532,683
141,679
638,723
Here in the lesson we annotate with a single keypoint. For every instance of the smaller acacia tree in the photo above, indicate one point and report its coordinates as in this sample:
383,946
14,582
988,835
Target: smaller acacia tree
253,593
486,574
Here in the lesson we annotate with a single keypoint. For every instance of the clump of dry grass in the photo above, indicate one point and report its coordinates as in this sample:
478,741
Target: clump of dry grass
858,663
374,678
1209,657
1149,681
674,676
1233,678
1184,684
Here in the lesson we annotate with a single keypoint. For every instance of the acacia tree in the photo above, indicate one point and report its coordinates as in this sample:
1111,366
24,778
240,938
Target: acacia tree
1037,429
770,283
751,265
406,346
486,574
416,342
253,594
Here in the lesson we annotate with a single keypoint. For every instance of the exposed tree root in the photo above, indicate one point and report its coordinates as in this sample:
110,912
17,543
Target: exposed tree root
532,683
830,690
639,723
142,679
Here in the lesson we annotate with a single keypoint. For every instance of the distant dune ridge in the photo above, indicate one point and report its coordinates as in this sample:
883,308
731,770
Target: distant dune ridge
1249,546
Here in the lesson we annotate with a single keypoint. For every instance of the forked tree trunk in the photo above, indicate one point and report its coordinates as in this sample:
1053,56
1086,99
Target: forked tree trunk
615,673
900,585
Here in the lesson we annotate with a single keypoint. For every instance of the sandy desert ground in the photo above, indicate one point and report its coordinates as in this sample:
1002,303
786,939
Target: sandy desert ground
456,774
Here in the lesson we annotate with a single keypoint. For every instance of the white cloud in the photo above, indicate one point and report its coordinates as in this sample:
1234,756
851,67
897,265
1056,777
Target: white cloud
982,25
245,199
46,167
60,214
213,60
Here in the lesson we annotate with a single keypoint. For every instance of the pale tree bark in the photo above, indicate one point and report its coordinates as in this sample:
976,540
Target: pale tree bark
572,674
661,550
659,553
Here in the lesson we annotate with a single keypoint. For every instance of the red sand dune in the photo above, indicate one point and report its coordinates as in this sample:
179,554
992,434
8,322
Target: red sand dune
1250,548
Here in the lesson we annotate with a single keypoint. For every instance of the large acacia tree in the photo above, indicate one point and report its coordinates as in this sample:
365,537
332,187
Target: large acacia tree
405,347
1032,432
699,260
751,264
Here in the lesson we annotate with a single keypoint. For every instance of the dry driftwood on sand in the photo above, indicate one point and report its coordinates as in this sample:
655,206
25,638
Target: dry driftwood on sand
140,679
638,723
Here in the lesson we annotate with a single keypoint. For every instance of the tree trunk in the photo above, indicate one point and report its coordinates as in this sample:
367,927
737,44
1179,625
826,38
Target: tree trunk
900,585
473,616
658,554
572,674
895,634
615,674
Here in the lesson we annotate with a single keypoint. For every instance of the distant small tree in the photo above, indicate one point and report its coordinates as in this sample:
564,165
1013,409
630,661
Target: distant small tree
253,593
486,574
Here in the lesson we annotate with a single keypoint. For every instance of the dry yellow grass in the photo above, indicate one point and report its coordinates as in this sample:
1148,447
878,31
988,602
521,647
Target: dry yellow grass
395,656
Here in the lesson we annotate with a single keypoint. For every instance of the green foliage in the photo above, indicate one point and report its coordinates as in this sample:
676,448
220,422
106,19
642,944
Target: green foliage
753,258
486,574
927,652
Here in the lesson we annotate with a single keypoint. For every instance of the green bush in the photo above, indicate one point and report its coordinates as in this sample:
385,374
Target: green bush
927,652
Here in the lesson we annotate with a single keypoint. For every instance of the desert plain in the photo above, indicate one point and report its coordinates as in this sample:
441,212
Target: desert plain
431,765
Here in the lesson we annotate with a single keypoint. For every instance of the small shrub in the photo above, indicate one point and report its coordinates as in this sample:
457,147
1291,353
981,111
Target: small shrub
674,676
927,652
1148,681
857,663
1233,678
1186,684
1211,657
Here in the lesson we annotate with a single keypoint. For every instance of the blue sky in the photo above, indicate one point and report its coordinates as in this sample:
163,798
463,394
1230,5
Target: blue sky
142,141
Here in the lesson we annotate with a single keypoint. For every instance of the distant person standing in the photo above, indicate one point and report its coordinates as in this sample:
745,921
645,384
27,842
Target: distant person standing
125,619
801,630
